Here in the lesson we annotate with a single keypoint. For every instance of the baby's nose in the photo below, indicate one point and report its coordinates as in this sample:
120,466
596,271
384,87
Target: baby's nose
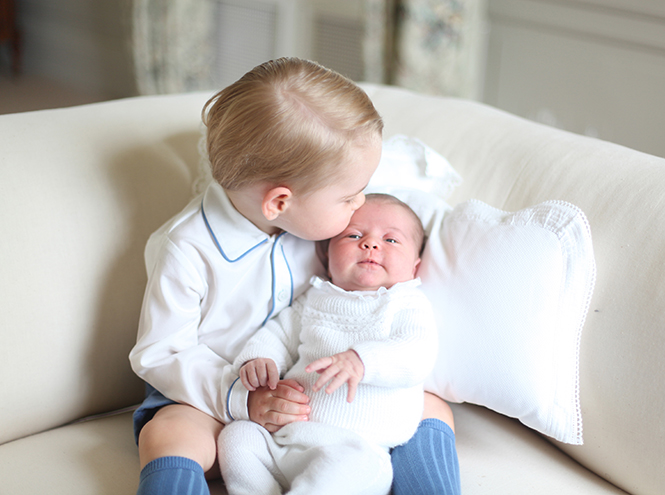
370,245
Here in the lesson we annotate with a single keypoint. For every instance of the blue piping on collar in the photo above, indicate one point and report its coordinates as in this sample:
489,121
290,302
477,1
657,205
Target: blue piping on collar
214,238
272,262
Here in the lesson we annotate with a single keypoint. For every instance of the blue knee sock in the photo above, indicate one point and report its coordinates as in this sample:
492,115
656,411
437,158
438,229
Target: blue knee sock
173,476
428,462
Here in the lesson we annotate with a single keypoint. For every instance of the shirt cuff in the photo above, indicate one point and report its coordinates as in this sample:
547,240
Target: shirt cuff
236,401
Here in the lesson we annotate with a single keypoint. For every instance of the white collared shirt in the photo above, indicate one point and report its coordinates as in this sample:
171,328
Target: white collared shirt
214,279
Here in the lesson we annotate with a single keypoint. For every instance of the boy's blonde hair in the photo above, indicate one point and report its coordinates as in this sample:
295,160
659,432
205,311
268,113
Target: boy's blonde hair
287,122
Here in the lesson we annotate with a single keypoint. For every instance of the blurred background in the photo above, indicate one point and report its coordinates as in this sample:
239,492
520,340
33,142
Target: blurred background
594,67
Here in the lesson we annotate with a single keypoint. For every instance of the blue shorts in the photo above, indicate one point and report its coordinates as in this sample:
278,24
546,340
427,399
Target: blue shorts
153,402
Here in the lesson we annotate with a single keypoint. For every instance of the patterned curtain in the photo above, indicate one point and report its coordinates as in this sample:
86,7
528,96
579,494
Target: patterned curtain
430,46
172,44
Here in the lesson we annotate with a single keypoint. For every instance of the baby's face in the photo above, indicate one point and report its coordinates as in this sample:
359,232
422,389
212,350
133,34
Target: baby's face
377,249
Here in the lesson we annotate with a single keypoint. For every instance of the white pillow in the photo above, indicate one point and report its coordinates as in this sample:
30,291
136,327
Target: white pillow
511,292
416,165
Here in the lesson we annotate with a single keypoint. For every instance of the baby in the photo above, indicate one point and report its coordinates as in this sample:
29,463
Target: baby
370,328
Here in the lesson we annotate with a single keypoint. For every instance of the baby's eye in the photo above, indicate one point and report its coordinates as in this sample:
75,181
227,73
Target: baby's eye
354,236
392,241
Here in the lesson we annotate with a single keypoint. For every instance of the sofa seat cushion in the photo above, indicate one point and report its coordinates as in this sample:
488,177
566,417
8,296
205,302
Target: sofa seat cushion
98,456
498,455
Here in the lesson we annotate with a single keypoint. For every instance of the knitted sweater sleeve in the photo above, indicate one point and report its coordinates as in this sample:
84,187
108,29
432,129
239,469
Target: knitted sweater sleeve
278,340
407,357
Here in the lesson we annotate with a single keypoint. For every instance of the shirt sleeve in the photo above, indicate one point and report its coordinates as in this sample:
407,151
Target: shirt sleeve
407,357
168,354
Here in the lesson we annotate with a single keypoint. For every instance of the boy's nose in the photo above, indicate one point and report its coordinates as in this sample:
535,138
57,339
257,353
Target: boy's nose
369,244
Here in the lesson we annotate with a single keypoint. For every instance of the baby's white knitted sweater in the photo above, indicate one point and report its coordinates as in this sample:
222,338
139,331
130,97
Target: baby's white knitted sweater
392,330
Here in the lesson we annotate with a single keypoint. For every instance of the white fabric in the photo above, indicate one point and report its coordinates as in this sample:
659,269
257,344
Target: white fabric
418,167
203,301
511,292
343,448
392,330
303,458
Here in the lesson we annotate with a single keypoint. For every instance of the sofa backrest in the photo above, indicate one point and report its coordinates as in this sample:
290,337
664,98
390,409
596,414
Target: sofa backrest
81,189
511,163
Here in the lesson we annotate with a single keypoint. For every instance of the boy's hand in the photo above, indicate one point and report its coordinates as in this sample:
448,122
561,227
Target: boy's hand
273,409
261,372
345,367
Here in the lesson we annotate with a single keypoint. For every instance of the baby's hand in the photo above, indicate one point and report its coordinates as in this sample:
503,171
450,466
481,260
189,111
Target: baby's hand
345,367
261,372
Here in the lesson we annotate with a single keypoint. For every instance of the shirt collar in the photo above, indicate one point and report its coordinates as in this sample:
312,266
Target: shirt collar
234,235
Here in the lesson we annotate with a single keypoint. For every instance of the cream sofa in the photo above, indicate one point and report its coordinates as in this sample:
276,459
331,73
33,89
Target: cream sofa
82,188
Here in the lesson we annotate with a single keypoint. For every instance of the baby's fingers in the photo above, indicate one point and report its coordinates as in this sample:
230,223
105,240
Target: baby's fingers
353,386
326,375
339,379
319,365
273,375
259,373
267,373
248,378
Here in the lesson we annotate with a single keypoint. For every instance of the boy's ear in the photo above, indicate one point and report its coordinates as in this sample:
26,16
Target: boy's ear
275,202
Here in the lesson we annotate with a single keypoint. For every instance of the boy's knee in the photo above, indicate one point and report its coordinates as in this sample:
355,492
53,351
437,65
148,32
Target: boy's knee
437,408
175,431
